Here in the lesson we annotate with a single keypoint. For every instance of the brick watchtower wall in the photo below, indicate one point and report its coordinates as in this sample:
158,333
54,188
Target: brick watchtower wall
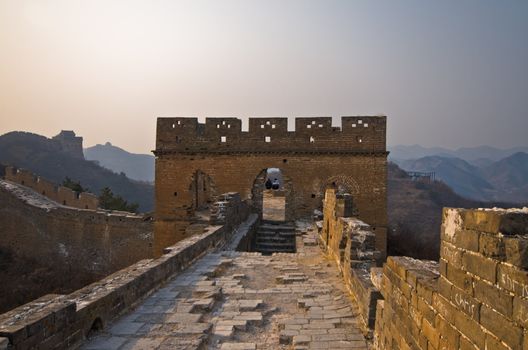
313,157
475,298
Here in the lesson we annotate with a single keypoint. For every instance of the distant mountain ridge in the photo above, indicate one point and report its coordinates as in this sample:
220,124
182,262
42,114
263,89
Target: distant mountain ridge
45,157
502,180
136,166
475,155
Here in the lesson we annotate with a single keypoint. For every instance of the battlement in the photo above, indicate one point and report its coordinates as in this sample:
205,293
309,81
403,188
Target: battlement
312,134
59,194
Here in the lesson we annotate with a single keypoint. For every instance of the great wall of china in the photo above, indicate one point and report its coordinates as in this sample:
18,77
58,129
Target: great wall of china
211,290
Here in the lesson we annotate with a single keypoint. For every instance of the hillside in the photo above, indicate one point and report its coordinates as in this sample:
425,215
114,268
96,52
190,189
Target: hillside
510,176
136,166
415,213
465,179
45,157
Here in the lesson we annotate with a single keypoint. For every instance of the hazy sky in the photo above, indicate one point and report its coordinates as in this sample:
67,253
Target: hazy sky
446,73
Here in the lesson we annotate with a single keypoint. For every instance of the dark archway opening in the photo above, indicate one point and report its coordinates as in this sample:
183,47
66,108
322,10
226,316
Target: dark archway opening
271,198
271,195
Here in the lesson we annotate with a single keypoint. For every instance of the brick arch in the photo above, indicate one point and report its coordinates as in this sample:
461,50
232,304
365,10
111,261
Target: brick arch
257,193
342,183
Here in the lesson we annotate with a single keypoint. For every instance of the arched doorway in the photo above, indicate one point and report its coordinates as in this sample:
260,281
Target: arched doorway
271,195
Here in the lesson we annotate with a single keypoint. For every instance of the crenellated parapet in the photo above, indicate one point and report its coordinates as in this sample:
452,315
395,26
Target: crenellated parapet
59,194
357,134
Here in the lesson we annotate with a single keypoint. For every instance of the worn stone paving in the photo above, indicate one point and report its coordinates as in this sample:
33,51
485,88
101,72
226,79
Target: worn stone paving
236,301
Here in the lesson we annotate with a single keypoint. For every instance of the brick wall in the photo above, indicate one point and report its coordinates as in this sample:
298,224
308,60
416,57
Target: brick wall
185,148
476,297
60,194
81,245
63,321
351,243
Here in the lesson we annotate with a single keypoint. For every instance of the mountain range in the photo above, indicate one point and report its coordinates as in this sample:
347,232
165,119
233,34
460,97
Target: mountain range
479,156
502,180
136,166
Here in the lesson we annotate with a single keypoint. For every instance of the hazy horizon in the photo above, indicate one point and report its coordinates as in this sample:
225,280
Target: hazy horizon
447,74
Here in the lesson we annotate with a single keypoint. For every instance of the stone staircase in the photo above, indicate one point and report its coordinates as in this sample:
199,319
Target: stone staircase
275,237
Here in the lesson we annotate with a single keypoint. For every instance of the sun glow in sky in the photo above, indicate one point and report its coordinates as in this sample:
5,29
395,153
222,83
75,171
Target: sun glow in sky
447,73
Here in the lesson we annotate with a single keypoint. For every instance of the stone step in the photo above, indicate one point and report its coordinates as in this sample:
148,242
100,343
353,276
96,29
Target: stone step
276,233
273,240
277,227
274,250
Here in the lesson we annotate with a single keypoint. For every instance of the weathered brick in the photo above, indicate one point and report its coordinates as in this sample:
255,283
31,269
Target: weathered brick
432,334
492,246
494,344
469,328
447,333
513,279
461,279
517,251
451,254
467,239
494,297
480,266
520,311
465,303
501,327
445,308
445,287
442,267
466,344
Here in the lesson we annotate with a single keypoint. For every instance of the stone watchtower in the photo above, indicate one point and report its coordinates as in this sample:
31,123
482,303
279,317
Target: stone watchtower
195,161
70,143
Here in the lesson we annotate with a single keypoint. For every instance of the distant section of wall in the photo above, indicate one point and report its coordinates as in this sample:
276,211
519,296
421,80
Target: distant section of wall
70,143
59,194
351,243
75,246
475,298
63,321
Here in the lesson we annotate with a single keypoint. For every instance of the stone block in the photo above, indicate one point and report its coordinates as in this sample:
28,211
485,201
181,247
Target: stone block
460,278
451,254
520,311
513,280
517,251
480,266
492,246
501,327
465,303
494,297
449,336
467,239
494,344
469,328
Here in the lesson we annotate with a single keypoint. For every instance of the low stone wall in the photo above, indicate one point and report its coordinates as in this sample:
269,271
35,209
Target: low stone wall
63,321
351,243
476,297
59,194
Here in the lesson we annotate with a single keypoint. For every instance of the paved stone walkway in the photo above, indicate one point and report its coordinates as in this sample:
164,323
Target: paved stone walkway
237,301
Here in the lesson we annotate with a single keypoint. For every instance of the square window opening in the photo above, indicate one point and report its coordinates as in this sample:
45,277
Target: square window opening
223,139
